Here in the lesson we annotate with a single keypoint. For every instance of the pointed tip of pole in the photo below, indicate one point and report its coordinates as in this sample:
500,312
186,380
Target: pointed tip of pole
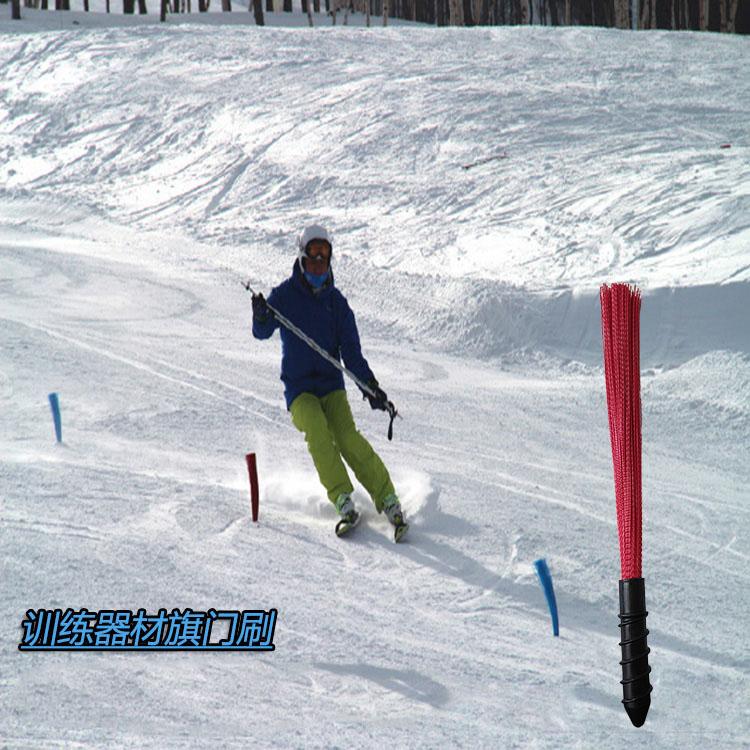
637,710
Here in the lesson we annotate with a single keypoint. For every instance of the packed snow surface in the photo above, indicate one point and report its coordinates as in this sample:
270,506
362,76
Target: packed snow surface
481,184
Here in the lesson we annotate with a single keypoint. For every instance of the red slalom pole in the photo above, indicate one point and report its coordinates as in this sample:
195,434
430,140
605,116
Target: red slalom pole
621,306
252,470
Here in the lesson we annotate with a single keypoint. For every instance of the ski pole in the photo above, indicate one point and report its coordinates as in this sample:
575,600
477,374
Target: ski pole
390,408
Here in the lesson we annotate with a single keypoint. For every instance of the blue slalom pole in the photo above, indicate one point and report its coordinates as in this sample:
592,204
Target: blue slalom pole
545,578
54,404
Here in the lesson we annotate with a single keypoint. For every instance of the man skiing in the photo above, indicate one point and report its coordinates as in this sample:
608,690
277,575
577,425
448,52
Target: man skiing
314,388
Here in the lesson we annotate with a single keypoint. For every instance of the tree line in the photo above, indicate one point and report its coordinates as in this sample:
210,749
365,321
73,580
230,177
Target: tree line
727,16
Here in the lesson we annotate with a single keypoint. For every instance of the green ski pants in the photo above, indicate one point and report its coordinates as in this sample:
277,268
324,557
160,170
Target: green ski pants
331,434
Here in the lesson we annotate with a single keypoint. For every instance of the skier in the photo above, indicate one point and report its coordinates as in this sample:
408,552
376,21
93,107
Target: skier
314,388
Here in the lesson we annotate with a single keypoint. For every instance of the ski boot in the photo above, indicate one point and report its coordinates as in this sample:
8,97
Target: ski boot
392,509
347,511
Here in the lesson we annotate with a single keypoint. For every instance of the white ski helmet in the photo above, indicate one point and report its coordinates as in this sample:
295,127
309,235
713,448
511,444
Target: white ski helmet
310,233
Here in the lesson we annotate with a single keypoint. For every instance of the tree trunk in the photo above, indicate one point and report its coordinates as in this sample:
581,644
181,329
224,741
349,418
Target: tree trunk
385,12
142,10
257,6
367,11
287,6
554,19
621,14
226,6
15,10
163,11
731,21
308,3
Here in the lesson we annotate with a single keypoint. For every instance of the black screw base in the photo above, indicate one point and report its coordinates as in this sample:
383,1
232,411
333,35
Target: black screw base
636,685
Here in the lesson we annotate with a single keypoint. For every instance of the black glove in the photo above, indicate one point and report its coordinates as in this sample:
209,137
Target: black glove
261,311
379,400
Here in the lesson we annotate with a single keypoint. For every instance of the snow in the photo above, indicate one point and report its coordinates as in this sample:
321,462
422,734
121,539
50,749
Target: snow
146,170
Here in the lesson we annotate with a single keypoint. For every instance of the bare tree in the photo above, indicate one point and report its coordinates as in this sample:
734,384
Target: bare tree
644,19
731,25
385,12
226,6
15,10
307,8
257,6
621,14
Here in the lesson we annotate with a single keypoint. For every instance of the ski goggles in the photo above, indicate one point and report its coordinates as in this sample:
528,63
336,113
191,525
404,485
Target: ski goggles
318,256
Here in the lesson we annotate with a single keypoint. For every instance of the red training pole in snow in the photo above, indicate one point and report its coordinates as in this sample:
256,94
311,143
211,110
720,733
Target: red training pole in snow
252,470
621,305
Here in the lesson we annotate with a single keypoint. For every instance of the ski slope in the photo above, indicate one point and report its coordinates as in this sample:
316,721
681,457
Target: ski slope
146,171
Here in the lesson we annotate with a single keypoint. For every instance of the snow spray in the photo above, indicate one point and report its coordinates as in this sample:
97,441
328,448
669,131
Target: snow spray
54,404
545,578
621,305
252,470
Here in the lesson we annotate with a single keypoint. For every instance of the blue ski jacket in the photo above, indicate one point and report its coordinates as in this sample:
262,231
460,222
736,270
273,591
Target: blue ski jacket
325,316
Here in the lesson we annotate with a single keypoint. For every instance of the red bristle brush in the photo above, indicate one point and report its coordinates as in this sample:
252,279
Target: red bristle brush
621,306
